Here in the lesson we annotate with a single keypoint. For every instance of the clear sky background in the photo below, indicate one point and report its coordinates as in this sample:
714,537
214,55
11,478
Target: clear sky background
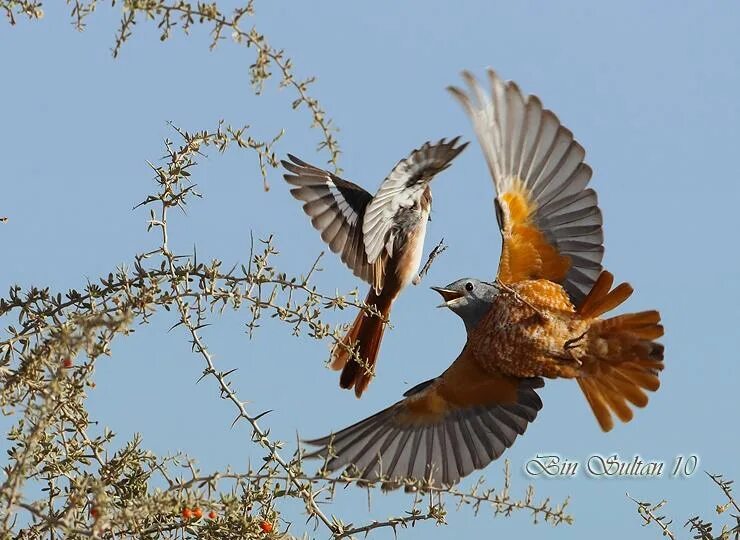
650,89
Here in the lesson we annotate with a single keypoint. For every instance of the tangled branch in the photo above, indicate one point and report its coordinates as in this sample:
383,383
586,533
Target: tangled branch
47,361
702,529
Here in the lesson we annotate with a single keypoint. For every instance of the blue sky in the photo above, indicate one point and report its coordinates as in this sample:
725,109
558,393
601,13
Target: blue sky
650,90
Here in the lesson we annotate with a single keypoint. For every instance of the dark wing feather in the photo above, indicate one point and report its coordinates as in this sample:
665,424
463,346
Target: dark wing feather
405,441
336,208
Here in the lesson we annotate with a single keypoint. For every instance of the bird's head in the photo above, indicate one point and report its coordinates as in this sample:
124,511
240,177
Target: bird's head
470,298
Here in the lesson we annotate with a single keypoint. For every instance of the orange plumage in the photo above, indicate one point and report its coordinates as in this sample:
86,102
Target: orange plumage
533,330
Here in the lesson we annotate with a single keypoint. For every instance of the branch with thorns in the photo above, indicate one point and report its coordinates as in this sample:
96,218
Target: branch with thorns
47,362
702,529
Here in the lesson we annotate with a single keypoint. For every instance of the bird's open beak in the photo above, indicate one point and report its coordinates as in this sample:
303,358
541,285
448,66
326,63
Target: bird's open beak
448,294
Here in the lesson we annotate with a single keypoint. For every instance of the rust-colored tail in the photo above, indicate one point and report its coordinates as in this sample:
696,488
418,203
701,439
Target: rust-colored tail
622,359
364,336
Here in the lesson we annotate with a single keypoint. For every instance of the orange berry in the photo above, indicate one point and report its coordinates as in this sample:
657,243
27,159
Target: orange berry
197,513
67,362
187,513
94,512
212,514
266,526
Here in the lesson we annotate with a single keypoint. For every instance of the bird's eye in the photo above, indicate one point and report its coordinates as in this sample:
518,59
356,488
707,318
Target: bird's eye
469,287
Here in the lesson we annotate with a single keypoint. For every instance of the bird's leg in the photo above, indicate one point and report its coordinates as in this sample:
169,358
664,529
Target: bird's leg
571,344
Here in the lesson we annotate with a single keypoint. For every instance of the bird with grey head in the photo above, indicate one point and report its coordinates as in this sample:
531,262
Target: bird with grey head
469,298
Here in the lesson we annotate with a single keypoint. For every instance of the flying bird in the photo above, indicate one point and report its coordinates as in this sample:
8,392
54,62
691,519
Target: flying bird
380,238
540,317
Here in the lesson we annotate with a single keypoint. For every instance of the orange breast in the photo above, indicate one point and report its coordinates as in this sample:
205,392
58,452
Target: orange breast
525,332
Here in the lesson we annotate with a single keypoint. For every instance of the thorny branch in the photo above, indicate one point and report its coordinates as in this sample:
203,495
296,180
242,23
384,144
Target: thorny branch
170,184
701,529
47,361
648,511
29,8
169,15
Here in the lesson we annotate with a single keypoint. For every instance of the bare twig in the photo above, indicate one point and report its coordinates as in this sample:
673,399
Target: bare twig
647,512
436,252
169,15
702,529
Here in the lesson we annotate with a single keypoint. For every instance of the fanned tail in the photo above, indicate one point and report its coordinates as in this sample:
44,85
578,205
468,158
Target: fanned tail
365,336
622,359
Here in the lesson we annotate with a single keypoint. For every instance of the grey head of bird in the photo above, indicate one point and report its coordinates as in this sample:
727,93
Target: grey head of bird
469,298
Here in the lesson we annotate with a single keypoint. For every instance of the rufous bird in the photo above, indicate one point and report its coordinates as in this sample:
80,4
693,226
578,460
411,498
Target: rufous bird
380,238
541,317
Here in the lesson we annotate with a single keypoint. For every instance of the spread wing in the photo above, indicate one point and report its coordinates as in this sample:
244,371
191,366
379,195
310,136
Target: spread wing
550,222
442,431
336,208
403,189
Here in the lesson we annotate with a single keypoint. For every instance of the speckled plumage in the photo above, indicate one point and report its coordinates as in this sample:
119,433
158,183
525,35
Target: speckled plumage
524,332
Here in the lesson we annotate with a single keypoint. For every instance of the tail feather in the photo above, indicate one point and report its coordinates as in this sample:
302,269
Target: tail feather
631,391
600,299
596,401
615,398
622,359
645,324
644,374
363,337
343,350
600,289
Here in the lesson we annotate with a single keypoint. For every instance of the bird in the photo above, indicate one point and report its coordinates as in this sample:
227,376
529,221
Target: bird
379,237
540,318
